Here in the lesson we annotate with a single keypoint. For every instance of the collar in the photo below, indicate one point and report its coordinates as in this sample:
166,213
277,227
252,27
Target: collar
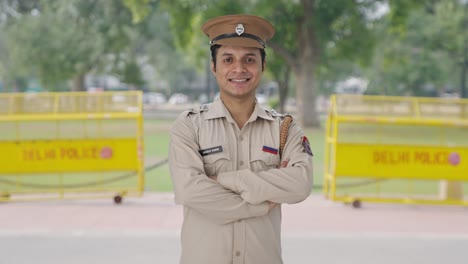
219,110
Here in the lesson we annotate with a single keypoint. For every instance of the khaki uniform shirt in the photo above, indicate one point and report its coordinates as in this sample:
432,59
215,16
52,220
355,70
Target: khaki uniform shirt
228,221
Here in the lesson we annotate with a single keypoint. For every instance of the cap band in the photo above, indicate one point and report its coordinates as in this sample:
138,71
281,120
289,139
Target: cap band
235,35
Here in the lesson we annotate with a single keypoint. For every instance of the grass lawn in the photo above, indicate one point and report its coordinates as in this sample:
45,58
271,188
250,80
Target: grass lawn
392,134
156,136
156,144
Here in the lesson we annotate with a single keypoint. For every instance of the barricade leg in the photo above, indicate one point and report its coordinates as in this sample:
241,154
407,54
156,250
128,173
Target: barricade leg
451,190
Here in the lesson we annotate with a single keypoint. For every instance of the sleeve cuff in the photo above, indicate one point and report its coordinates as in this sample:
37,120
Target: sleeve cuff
261,209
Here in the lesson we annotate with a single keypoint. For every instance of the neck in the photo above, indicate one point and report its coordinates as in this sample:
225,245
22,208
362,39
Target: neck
240,110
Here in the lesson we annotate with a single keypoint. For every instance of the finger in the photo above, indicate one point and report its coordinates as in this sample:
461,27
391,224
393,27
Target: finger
284,164
272,205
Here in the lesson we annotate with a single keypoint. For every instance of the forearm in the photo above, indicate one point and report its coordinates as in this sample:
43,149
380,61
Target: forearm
215,202
271,205
284,185
291,182
193,188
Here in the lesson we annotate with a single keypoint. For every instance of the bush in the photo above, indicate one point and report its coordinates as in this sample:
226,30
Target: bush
274,103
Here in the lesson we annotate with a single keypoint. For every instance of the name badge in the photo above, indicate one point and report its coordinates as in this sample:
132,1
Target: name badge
209,151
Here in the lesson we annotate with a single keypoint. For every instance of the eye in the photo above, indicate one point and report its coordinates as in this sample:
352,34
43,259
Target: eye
250,60
227,60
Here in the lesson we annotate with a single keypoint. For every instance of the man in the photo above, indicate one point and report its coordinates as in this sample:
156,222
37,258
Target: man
224,157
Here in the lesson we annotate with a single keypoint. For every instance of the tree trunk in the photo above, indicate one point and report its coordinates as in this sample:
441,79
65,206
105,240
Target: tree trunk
78,83
15,87
308,57
306,98
283,87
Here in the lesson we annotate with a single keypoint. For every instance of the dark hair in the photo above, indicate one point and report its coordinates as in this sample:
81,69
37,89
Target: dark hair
214,51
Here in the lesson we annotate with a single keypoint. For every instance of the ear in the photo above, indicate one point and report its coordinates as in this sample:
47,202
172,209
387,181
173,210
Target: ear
213,68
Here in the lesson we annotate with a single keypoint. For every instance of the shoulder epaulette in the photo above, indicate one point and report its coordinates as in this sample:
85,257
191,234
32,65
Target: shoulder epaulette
192,111
276,114
202,108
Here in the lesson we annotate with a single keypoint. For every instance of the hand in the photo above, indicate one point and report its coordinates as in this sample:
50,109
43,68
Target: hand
271,205
214,178
284,164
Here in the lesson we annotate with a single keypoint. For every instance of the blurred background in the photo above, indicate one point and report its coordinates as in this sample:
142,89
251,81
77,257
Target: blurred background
370,47
412,48
108,49
377,47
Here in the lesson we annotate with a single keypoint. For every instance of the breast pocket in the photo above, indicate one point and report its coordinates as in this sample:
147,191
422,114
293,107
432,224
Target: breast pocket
261,160
218,162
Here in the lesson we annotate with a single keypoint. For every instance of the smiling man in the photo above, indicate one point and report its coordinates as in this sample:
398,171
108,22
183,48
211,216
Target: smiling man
225,160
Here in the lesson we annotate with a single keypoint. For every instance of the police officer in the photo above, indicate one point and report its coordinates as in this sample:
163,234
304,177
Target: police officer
224,157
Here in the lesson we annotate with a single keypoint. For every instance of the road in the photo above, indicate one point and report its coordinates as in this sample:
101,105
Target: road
146,230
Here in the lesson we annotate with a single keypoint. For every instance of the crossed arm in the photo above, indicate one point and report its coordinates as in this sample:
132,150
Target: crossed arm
271,205
235,195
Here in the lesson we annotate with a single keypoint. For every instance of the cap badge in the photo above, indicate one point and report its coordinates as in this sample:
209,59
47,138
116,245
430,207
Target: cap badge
239,29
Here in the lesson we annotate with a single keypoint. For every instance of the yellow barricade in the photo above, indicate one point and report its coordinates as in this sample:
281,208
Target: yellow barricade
396,149
71,145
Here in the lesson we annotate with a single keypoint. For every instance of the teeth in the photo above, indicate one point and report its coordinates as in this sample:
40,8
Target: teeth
239,80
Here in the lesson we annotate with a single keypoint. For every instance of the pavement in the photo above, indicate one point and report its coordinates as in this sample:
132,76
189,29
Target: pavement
146,230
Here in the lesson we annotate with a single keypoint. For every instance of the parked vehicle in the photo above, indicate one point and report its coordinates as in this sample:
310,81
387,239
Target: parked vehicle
154,98
178,98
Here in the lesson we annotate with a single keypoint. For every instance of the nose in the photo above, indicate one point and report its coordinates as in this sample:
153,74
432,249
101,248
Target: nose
238,66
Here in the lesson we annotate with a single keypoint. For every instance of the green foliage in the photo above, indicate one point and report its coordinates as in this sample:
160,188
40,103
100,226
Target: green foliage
274,103
140,9
186,19
67,38
424,59
419,42
132,74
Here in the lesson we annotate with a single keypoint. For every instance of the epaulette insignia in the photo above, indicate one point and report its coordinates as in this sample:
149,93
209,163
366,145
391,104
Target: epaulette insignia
192,111
203,107
274,113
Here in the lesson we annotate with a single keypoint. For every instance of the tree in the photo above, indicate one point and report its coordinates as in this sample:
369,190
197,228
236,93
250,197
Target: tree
59,40
13,80
312,35
159,46
282,74
309,32
324,31
422,59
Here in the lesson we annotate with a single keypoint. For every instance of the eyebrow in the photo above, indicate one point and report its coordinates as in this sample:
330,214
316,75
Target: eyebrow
247,54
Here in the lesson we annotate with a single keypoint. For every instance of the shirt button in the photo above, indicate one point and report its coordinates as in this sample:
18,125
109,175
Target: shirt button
241,163
241,138
238,253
